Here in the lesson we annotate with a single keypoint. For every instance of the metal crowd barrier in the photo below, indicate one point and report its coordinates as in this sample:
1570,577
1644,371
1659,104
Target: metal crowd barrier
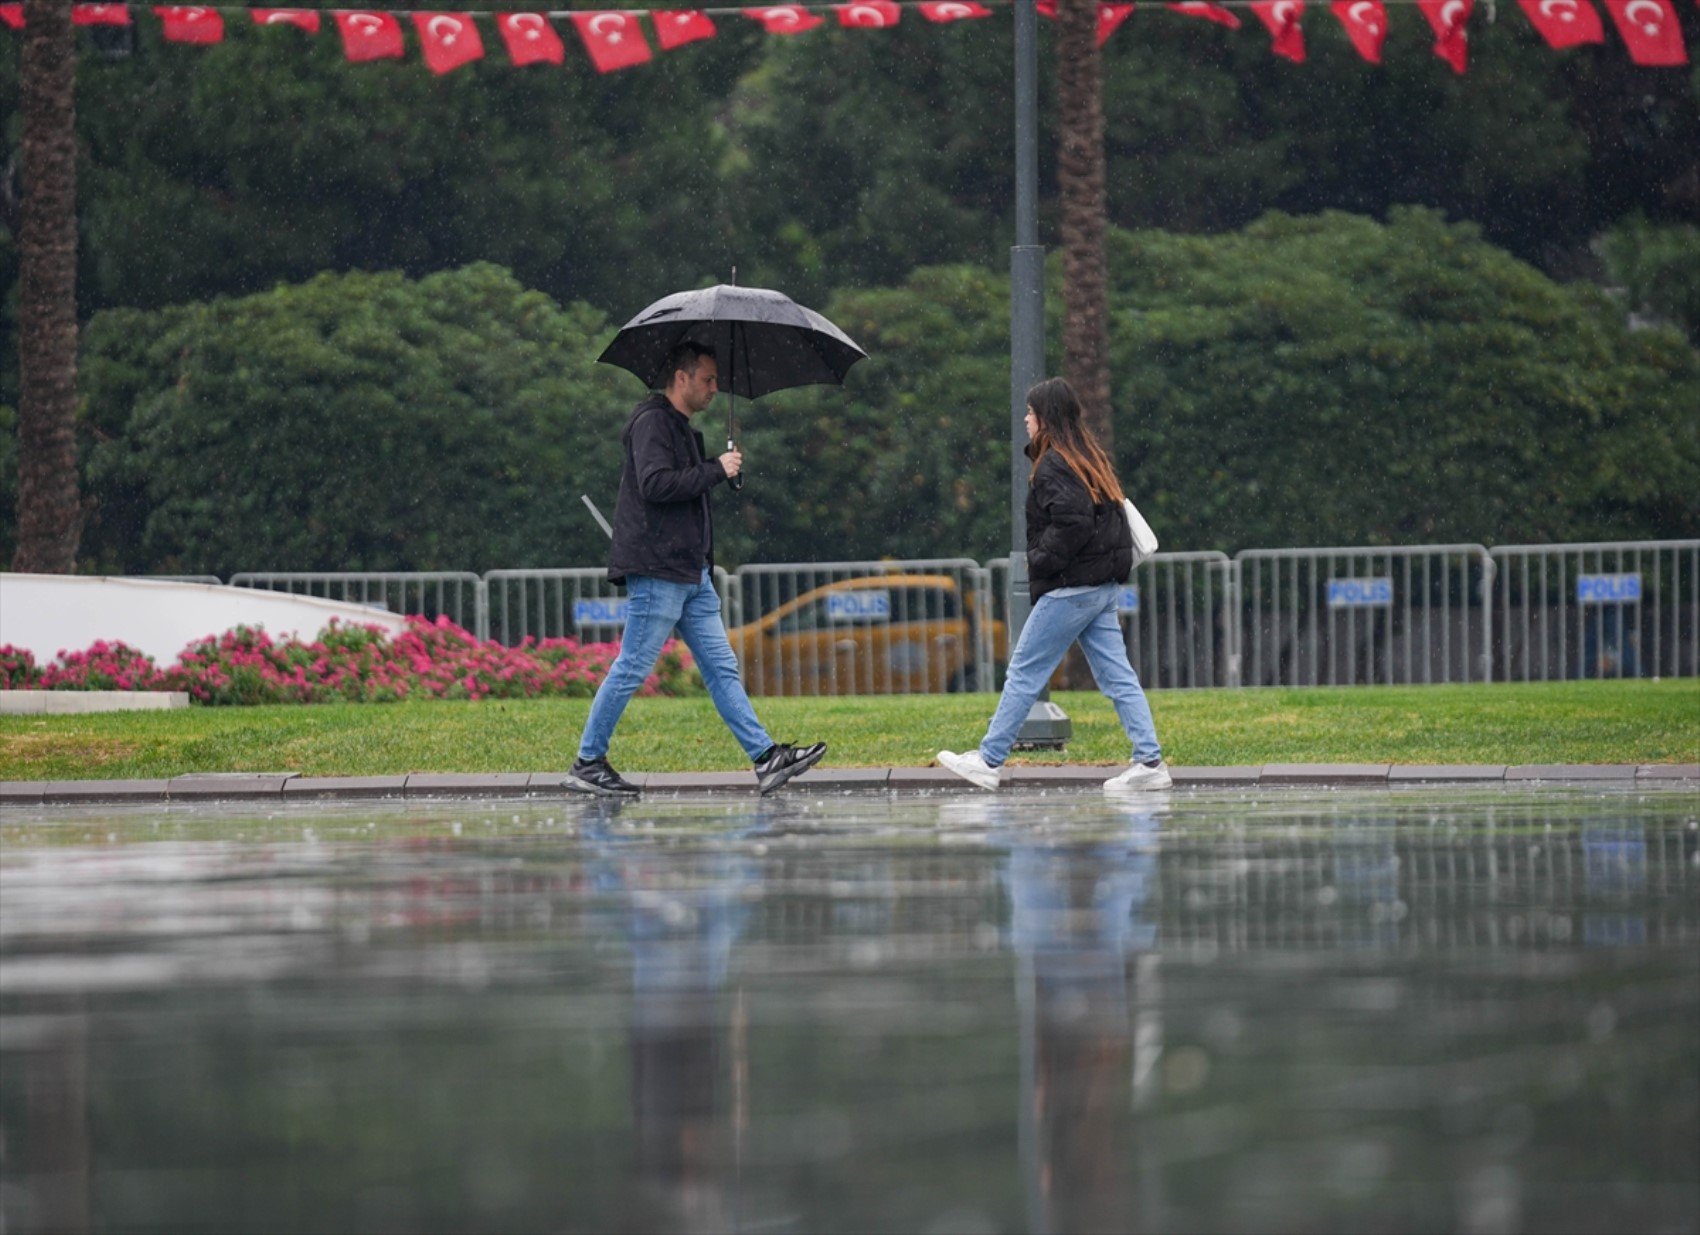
1610,610
873,627
1268,617
1181,621
577,603
1365,616
455,594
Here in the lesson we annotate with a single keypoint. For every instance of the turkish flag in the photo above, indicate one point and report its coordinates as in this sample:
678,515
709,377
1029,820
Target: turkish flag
950,11
1564,23
869,15
614,40
189,25
1282,19
785,19
99,15
1649,30
676,27
12,16
448,40
1366,25
1047,8
301,19
1110,18
1451,39
1209,12
530,39
369,36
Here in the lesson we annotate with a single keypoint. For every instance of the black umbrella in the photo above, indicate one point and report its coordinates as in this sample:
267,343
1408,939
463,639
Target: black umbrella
763,341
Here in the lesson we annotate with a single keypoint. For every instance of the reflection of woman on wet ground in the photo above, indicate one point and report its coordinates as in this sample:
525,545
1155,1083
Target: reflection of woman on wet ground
1079,553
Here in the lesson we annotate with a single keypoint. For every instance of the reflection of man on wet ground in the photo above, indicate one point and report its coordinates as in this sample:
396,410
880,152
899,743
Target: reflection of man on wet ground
684,911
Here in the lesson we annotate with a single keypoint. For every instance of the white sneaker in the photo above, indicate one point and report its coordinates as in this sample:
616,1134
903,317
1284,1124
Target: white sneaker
970,766
1141,777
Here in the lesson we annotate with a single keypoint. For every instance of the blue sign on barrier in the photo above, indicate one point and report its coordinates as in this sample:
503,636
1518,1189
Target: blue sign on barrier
1608,589
867,605
605,612
1127,600
1360,593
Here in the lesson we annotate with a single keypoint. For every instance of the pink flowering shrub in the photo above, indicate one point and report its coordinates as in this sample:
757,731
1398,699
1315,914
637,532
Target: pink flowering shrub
18,670
104,666
429,660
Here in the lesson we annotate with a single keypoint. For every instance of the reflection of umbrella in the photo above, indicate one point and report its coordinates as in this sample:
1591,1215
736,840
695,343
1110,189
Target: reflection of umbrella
763,341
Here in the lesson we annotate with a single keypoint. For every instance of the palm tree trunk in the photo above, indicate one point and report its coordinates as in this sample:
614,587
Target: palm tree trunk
1080,179
49,513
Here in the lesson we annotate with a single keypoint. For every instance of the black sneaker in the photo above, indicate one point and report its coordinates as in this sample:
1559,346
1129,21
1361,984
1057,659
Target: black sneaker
781,762
599,777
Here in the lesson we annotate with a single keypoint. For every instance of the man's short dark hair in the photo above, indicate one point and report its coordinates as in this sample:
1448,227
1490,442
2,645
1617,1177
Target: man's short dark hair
685,356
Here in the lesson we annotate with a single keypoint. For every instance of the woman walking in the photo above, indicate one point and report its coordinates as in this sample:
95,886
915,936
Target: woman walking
1079,552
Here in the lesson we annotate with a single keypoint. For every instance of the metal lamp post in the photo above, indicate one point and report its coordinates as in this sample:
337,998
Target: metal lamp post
1047,725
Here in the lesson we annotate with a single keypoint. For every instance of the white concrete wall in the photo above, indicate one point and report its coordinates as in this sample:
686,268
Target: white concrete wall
52,613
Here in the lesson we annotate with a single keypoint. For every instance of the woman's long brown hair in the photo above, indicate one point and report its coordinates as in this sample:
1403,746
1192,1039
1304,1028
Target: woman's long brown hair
1057,408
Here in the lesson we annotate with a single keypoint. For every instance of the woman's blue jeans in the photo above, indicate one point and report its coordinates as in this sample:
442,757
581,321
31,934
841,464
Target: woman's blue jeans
1056,622
658,608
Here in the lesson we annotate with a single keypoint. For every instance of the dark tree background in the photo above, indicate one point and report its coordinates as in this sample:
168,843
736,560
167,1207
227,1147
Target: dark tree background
869,173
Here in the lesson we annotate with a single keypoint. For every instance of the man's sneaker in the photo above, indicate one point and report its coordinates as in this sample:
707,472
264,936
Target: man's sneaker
1153,775
780,763
970,765
599,777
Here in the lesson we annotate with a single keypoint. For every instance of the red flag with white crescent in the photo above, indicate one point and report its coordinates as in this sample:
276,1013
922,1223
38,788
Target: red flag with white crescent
448,40
1209,12
99,15
1564,23
182,24
1110,19
301,19
1449,18
12,16
614,40
530,39
676,27
1649,30
369,36
785,18
868,15
950,11
1287,37
1366,25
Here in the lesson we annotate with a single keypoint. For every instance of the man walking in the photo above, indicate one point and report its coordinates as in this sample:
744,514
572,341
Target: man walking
663,552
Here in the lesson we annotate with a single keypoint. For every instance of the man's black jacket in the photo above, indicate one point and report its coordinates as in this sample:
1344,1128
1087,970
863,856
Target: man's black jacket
1071,542
662,525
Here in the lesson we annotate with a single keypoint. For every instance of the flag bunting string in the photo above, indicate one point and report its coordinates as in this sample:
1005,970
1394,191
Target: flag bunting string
615,39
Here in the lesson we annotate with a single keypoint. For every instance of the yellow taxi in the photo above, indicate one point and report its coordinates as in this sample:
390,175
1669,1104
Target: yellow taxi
880,635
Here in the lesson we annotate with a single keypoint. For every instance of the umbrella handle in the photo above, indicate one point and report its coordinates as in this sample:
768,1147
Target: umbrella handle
737,482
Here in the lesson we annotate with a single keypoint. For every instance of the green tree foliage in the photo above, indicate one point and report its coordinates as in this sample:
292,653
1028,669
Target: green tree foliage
1658,268
362,422
865,154
1317,380
1321,380
268,157
1330,379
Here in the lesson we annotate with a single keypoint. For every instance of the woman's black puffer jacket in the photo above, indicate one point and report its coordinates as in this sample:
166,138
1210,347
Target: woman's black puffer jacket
1070,542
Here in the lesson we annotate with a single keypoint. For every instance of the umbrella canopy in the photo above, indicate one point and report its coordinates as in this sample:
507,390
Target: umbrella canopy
763,340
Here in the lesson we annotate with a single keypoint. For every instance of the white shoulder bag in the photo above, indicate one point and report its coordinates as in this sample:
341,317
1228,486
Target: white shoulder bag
1144,539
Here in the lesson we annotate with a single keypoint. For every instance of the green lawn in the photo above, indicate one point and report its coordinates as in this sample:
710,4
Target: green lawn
1576,722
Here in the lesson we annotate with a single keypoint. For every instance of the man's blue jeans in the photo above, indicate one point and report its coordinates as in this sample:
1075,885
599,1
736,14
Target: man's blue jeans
1056,622
658,607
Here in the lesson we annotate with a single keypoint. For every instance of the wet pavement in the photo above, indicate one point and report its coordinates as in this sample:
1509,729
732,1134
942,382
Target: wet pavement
1263,1009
